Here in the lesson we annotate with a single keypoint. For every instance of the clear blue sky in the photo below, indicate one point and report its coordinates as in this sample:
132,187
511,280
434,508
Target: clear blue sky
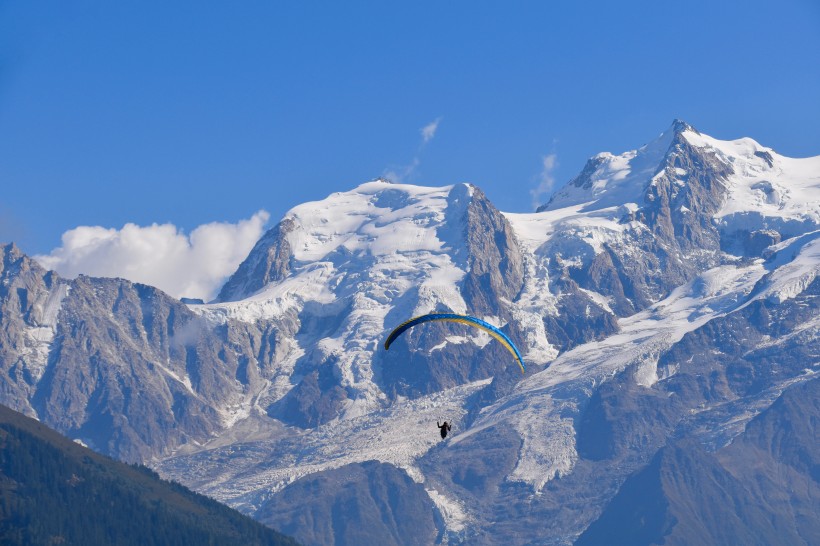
192,112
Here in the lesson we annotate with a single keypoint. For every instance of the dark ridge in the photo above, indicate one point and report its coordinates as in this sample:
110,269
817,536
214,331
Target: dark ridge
55,491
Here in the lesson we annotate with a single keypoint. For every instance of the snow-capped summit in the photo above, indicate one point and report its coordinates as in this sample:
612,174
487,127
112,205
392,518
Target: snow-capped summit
756,187
610,180
378,220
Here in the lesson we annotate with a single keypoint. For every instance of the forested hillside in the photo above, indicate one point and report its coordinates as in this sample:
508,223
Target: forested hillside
54,491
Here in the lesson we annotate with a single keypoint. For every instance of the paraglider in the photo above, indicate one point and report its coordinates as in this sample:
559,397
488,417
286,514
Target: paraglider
446,427
464,319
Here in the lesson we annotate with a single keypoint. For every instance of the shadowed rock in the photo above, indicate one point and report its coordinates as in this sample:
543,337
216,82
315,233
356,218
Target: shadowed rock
366,503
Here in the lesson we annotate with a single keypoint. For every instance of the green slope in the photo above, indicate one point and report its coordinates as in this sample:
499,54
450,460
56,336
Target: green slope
54,491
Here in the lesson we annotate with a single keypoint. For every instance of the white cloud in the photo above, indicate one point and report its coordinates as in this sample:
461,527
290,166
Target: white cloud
546,180
429,131
192,265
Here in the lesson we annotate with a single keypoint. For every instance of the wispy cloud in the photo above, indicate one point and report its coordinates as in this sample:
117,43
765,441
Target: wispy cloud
192,265
403,173
546,179
429,131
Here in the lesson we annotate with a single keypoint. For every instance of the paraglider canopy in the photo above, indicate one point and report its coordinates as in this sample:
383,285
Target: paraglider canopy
464,319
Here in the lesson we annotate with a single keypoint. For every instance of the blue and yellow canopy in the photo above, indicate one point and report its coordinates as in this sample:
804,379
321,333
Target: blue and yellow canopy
463,319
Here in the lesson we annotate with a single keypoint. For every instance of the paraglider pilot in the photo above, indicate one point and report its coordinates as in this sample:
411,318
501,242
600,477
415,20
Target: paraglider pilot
444,428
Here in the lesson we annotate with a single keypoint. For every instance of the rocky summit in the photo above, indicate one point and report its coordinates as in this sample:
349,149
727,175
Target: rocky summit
665,302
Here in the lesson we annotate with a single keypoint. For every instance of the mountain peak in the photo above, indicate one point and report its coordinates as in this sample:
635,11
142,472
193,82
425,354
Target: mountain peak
679,126
11,250
375,218
677,133
13,259
609,180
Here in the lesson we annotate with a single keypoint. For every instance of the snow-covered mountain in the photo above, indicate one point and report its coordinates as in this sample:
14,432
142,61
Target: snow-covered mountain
665,302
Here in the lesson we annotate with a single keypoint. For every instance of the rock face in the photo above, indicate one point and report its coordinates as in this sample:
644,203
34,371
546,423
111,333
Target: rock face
269,261
753,491
30,298
491,256
367,503
107,384
684,195
740,356
665,302
122,366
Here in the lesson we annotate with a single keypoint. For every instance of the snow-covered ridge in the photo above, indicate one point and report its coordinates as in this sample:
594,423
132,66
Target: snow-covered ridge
377,218
801,266
765,189
610,180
